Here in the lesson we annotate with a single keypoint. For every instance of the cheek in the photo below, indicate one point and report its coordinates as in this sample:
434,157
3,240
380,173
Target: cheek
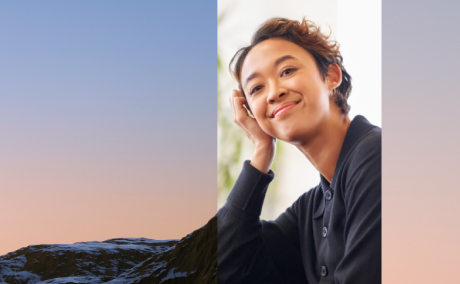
257,109
297,84
259,112
305,84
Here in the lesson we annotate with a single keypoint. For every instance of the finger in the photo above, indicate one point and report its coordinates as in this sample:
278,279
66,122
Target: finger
241,94
238,93
239,100
245,105
241,113
235,120
234,109
231,98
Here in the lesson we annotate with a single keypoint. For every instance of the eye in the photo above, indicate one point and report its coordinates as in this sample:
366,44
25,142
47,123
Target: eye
288,71
255,89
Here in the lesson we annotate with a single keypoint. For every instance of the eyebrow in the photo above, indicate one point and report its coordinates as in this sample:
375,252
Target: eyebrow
284,58
277,62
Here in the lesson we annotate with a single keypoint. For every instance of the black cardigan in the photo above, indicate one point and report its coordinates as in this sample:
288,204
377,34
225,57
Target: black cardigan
331,234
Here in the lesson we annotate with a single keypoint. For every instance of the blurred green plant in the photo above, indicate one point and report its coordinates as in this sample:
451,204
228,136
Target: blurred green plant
232,142
229,140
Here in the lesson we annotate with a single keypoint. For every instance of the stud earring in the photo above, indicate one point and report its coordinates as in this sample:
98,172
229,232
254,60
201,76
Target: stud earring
332,93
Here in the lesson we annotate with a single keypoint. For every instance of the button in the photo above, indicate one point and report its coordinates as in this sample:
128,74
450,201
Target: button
323,271
328,195
324,232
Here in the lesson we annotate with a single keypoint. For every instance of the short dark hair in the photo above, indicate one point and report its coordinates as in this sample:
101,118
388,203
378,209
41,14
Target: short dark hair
308,36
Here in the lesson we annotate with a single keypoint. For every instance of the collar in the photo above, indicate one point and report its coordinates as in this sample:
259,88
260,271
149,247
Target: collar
325,185
319,201
357,129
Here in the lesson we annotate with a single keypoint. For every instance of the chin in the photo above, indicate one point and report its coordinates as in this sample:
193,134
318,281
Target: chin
296,135
294,140
289,133
289,137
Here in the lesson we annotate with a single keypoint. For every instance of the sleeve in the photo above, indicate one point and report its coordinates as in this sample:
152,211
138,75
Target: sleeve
251,250
362,257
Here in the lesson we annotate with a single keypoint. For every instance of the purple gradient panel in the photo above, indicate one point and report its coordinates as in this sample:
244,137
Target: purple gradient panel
421,138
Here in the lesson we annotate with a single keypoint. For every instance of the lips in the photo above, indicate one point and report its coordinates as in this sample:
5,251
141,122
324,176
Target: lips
282,108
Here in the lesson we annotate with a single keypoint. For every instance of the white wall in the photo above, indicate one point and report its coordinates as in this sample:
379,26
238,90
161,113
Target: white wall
359,31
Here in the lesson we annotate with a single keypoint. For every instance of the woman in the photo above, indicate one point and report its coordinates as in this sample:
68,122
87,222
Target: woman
293,87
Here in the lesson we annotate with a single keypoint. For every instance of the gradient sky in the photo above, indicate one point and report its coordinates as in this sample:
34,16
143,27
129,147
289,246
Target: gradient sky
421,142
107,120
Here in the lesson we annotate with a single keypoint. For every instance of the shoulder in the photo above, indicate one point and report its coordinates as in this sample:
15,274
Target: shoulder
360,181
363,161
364,164
367,150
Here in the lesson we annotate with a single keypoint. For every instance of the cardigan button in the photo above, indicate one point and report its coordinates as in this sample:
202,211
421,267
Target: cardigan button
328,195
323,271
324,232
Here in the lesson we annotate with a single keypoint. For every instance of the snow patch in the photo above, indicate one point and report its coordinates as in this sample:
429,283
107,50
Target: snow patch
172,274
73,279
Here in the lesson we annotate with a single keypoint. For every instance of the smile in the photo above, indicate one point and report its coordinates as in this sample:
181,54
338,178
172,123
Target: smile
279,110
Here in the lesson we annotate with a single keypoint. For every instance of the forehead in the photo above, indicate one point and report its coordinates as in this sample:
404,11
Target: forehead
264,55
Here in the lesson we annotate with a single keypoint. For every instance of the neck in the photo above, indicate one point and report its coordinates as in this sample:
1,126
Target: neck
323,150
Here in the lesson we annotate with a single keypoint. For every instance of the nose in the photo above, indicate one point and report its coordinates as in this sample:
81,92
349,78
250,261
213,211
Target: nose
276,92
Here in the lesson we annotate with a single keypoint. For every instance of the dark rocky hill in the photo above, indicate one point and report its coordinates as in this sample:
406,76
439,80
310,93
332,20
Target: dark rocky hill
193,259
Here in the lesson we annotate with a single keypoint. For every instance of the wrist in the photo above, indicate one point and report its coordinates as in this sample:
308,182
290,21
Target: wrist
266,146
263,156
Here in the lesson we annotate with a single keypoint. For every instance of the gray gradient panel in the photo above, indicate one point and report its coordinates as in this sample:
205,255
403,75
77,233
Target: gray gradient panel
421,134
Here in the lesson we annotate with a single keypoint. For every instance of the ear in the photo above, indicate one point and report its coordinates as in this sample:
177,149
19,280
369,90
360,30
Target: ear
334,76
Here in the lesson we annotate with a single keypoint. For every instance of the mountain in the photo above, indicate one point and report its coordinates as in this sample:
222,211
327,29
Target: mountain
193,259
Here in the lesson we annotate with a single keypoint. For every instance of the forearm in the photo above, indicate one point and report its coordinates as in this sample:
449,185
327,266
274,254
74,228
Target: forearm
263,156
242,254
248,246
242,257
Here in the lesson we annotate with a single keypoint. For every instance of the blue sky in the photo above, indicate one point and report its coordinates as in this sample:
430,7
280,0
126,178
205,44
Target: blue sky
114,98
91,67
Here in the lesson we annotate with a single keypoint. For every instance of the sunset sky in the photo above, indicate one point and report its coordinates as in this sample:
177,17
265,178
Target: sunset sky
108,126
107,120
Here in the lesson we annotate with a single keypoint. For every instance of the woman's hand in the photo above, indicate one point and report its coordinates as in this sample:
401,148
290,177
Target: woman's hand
264,144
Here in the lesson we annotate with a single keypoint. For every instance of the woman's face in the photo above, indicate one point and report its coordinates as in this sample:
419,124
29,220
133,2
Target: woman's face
285,90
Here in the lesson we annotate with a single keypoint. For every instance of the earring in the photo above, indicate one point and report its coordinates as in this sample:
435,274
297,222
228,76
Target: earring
248,111
332,93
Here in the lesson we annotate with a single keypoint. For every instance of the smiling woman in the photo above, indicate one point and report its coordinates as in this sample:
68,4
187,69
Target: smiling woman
277,83
294,85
